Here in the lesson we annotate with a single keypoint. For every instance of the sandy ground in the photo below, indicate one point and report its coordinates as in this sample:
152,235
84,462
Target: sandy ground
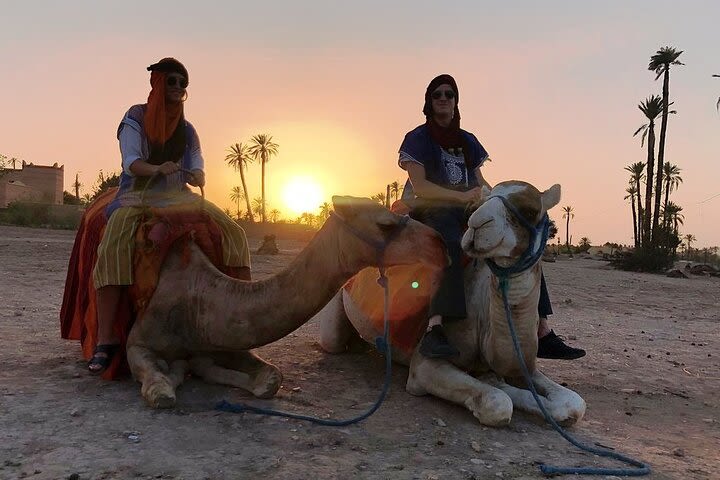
650,379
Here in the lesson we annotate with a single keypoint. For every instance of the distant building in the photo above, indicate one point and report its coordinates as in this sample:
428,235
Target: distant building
32,183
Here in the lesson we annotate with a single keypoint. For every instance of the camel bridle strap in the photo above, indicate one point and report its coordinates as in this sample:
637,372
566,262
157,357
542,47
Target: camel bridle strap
538,237
529,258
379,245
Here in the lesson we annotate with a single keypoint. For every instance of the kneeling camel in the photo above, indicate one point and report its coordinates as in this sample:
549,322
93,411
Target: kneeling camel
486,377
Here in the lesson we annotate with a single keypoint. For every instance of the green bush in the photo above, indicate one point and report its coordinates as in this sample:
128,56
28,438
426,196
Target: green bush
654,260
27,214
38,215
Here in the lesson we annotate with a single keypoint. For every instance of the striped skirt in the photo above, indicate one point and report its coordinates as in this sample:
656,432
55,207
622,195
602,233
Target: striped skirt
114,265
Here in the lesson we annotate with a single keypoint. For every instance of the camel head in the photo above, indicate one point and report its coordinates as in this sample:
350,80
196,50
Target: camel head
495,231
370,231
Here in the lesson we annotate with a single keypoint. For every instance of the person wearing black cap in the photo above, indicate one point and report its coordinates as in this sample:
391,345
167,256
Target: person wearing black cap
158,144
443,163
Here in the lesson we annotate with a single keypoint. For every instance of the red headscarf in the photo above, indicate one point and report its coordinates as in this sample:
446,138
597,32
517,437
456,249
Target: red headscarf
161,118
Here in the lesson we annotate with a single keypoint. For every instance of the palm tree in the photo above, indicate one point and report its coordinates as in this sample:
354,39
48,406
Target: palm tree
13,161
258,206
660,64
325,209
395,189
380,198
671,173
651,108
689,239
568,213
76,185
262,148
631,193
274,215
672,213
238,158
236,196
584,244
717,105
637,174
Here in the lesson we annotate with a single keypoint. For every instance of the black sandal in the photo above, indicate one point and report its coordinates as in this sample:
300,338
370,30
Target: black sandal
103,361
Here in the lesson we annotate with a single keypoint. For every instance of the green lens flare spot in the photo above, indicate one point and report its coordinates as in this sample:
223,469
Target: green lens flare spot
415,284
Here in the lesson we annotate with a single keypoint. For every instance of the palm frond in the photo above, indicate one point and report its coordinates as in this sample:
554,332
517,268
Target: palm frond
642,127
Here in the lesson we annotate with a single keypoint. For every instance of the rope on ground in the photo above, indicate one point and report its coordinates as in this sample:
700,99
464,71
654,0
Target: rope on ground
643,468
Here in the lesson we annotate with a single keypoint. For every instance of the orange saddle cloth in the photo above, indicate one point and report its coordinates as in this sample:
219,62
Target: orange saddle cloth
154,238
410,289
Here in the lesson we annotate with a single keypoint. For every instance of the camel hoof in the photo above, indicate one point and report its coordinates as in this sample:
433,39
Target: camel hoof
492,409
159,394
267,383
570,411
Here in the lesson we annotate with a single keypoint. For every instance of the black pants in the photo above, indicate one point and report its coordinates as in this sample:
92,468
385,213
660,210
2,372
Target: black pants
449,300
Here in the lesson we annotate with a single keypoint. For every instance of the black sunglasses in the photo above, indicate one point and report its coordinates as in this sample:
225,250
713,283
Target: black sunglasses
180,81
437,95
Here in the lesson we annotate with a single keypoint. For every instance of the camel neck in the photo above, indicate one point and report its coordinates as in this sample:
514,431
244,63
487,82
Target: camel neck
523,294
273,308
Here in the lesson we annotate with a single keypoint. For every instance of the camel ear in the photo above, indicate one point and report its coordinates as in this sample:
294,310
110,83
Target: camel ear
551,197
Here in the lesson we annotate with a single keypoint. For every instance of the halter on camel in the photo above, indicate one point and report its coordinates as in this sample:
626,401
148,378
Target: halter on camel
536,246
381,343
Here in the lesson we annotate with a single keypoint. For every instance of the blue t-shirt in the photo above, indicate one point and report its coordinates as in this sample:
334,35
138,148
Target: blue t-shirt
443,167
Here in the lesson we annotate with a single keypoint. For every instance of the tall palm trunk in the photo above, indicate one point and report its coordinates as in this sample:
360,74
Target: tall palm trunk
262,211
636,237
649,186
666,217
247,197
567,232
639,222
661,151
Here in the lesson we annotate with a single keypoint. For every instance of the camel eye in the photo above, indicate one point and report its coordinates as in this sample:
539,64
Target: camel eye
387,227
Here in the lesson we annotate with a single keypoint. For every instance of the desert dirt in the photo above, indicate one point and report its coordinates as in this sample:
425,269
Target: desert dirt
650,379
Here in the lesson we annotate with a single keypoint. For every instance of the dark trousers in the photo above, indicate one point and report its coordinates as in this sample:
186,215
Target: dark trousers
449,300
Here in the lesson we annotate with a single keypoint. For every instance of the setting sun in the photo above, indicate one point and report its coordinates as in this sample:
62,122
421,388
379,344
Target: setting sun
302,194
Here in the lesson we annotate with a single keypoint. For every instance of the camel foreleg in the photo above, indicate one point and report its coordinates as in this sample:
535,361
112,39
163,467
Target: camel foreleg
564,406
490,405
239,369
336,331
158,386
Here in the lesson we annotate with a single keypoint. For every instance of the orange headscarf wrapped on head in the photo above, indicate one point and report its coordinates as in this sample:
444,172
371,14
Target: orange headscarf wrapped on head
161,118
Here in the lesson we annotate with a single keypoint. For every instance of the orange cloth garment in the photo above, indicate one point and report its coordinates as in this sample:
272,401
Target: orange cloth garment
161,119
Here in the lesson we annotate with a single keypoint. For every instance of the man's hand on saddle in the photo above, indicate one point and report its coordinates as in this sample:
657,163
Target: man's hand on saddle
167,168
474,198
196,178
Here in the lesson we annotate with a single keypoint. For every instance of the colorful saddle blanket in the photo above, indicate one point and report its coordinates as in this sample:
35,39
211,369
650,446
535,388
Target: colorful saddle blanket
154,238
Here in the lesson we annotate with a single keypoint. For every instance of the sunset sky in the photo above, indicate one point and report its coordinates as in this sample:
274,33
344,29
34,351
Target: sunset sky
550,89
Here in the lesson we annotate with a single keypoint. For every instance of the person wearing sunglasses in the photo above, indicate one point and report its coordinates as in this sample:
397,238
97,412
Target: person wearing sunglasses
161,155
444,163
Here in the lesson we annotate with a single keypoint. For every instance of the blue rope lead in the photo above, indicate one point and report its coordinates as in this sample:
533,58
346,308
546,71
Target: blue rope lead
382,344
643,468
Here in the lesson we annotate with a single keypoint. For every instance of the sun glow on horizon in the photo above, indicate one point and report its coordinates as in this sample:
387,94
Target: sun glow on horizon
302,194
